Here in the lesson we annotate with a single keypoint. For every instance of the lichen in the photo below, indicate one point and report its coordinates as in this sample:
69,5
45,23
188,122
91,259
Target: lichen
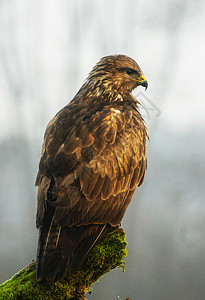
105,256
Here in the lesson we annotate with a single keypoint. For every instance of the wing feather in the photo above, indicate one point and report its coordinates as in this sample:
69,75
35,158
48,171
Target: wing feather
98,187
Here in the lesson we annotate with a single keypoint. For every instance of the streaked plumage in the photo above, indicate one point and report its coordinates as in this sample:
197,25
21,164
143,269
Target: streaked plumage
93,158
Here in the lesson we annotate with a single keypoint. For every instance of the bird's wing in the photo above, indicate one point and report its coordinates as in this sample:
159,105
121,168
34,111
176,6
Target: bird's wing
90,165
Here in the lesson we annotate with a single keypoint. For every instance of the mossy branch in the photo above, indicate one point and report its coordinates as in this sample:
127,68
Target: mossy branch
105,256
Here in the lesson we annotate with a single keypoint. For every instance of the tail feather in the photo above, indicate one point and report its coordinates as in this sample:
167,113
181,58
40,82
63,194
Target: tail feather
63,248
48,260
86,246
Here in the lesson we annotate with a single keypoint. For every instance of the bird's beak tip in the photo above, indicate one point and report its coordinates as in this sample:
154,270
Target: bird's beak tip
144,83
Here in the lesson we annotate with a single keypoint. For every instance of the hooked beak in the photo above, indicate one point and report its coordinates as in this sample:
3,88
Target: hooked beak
143,82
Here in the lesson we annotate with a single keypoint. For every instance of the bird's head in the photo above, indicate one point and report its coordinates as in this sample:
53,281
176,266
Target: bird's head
117,72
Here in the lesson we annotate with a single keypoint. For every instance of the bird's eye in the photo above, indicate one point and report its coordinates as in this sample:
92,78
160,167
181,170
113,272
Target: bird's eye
130,71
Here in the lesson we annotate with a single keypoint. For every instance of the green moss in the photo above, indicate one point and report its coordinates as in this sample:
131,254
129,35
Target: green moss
23,286
105,256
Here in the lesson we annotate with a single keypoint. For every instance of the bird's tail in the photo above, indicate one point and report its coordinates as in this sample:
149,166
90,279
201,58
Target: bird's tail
63,248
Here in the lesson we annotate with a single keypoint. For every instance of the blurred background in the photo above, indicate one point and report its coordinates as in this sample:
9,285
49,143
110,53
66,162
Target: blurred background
47,49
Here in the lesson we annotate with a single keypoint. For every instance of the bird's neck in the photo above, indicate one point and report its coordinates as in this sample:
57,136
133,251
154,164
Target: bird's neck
103,90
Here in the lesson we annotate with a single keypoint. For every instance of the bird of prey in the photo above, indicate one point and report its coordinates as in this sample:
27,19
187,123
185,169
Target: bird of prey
93,158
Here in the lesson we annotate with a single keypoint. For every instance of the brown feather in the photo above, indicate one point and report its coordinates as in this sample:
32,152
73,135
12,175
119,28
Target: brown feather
98,187
92,182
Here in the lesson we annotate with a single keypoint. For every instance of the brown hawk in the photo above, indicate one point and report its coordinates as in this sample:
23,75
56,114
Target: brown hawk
93,157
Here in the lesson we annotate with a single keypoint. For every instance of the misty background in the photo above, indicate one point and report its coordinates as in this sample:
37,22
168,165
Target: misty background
47,49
